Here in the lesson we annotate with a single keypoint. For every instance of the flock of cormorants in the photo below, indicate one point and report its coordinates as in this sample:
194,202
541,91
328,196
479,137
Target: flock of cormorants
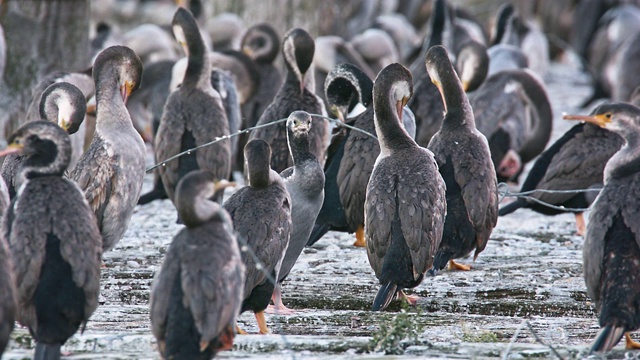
419,194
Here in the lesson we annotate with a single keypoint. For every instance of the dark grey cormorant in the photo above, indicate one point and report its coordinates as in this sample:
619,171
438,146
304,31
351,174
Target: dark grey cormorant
111,171
261,214
54,241
350,157
193,115
464,161
405,205
575,161
262,44
305,183
197,294
296,93
472,64
611,252
61,103
512,109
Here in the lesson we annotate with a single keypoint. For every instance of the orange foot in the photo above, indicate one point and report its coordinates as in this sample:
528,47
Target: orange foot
240,331
455,266
630,344
262,323
580,225
410,299
360,242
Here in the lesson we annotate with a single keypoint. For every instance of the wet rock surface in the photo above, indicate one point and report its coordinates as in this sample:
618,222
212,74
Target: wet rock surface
524,290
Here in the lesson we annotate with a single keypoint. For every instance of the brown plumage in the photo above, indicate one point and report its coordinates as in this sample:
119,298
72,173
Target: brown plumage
464,161
54,241
197,294
405,202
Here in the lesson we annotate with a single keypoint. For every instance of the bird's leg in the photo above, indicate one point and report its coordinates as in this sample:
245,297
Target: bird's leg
262,323
278,307
580,225
410,299
360,242
240,331
455,266
225,340
630,344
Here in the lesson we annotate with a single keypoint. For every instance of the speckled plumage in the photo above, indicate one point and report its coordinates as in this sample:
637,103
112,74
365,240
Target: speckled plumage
611,252
111,171
575,161
296,93
54,240
464,161
261,214
61,103
405,202
351,155
197,294
192,116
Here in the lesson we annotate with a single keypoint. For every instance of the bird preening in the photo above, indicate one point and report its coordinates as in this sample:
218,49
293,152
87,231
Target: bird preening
435,111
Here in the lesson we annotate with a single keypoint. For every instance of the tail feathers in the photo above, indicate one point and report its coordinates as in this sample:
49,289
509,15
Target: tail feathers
384,296
47,352
317,233
608,337
511,207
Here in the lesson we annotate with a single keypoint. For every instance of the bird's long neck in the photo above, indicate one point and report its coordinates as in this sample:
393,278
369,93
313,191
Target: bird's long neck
50,160
198,72
457,107
299,147
626,161
389,129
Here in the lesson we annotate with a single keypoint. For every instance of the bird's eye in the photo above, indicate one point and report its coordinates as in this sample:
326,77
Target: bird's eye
608,115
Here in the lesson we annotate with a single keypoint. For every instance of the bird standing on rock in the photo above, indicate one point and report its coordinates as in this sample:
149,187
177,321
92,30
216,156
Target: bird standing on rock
464,161
305,184
54,240
111,171
193,115
405,202
611,253
261,214
197,294
296,93
350,157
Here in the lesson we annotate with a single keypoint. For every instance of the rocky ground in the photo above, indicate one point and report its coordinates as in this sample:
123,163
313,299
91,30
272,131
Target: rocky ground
524,294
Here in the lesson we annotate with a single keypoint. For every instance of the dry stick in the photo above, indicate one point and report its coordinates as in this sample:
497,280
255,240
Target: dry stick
505,356
535,335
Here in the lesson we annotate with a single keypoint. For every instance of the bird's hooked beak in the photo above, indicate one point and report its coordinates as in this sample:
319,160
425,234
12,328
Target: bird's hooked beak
302,84
600,120
338,111
247,51
220,185
64,123
400,104
15,147
125,90
438,84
